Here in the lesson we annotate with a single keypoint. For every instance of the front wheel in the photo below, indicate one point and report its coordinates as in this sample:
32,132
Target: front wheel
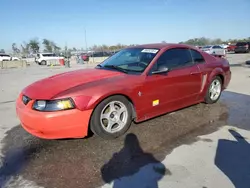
43,62
214,91
112,117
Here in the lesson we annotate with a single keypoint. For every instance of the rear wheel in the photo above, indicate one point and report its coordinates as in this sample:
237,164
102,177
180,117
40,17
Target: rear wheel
112,117
43,62
214,91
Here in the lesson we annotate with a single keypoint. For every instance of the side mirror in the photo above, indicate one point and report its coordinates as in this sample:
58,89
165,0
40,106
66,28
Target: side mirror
164,70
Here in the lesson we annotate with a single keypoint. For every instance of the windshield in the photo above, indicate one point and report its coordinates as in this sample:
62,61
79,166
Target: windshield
134,60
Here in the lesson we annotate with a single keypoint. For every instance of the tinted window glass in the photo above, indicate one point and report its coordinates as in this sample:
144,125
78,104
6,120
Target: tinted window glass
217,47
49,55
207,47
197,57
173,58
4,55
241,43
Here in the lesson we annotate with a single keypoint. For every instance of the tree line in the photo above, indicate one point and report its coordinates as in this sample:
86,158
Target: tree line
206,41
34,46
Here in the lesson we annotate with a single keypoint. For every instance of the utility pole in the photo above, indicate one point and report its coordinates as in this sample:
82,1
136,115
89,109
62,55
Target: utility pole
86,46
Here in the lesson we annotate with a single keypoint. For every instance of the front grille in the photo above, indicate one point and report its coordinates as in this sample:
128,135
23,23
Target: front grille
25,99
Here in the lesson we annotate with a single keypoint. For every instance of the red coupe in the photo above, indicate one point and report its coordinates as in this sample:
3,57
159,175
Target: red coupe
135,84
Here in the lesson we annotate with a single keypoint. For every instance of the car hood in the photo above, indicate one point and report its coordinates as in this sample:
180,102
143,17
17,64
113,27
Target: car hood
50,87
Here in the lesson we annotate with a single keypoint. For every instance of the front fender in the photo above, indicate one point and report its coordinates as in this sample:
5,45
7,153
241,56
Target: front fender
97,99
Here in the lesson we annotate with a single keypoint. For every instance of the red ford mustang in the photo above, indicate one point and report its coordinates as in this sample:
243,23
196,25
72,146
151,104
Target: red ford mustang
135,84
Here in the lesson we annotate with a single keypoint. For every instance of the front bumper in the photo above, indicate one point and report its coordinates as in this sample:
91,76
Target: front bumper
53,125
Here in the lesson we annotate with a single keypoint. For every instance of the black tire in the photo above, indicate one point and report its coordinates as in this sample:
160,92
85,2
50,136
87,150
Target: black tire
95,123
208,99
43,62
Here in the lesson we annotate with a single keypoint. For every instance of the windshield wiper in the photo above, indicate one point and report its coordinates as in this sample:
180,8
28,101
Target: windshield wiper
116,68
99,65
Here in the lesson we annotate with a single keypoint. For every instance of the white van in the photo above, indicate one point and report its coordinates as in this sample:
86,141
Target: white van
42,58
5,57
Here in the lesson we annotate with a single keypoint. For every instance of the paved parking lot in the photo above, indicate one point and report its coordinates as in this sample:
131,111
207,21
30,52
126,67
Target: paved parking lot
189,146
235,59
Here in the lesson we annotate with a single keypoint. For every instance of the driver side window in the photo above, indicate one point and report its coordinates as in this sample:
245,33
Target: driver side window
173,59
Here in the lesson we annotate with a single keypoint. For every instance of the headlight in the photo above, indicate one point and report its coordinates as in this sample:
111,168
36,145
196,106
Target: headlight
53,105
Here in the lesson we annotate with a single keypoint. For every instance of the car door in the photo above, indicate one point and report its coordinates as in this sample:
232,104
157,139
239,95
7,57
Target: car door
177,88
205,70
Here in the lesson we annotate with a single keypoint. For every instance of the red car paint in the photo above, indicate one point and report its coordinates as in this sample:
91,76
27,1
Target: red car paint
87,87
85,57
231,48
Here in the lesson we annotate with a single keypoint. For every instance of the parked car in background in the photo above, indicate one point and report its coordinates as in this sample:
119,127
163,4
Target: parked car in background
224,46
214,50
135,84
242,47
199,47
15,58
231,47
5,57
99,54
42,58
84,57
113,52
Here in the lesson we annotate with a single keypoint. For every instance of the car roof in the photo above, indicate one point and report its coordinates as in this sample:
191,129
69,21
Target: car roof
161,45
243,42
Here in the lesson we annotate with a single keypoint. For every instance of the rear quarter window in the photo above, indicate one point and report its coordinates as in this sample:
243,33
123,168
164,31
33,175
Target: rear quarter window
197,57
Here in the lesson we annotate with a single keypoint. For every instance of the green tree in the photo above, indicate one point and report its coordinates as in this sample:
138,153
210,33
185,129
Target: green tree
15,49
50,46
25,48
55,48
47,45
34,45
217,41
2,51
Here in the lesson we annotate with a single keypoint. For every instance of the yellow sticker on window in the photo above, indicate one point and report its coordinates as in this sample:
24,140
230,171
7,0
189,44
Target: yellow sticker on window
155,102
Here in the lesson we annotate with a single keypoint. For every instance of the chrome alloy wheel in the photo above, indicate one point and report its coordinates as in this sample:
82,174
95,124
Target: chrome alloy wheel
114,116
215,90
